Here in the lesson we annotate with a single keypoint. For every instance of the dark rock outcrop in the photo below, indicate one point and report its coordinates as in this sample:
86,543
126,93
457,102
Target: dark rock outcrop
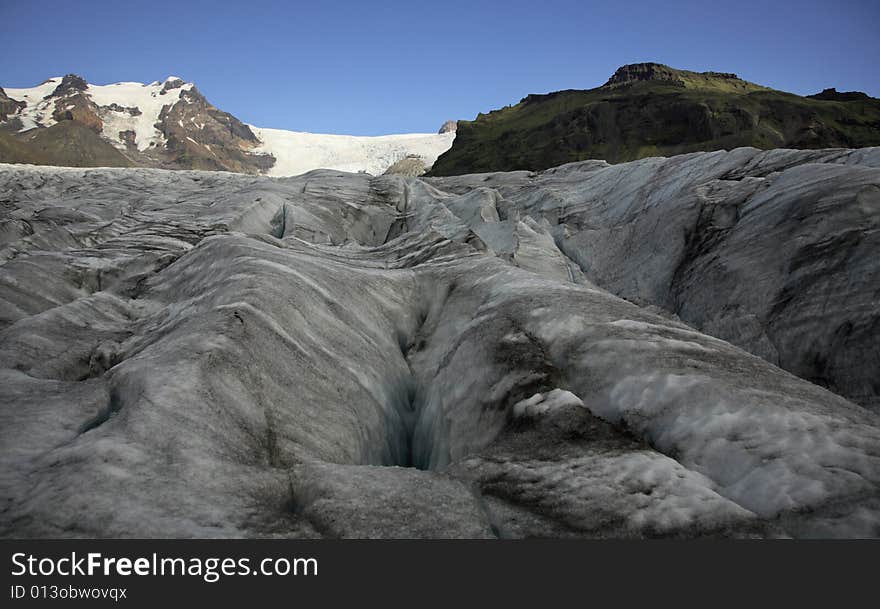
70,85
128,138
9,106
79,108
170,84
833,94
644,71
130,111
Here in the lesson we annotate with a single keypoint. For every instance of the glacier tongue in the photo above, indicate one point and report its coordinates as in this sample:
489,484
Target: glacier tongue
334,354
297,152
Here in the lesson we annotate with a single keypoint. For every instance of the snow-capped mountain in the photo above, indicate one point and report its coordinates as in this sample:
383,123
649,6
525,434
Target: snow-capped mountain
171,124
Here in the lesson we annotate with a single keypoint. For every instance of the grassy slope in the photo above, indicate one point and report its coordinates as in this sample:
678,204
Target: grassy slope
650,118
64,144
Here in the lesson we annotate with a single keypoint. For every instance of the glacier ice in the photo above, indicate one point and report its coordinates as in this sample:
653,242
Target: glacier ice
632,350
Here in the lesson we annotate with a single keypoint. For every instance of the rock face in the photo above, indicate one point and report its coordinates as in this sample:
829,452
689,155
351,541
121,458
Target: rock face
200,136
448,127
172,125
410,166
8,107
833,94
70,85
72,103
649,109
341,355
642,72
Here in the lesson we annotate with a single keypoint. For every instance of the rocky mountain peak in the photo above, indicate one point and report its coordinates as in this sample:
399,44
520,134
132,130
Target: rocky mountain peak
77,105
172,82
643,71
449,126
658,72
197,132
71,83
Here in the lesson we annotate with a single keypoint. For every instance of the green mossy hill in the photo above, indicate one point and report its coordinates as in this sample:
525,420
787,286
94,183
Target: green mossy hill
653,110
67,143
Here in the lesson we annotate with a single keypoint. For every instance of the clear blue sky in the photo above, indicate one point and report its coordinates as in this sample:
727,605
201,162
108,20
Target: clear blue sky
384,67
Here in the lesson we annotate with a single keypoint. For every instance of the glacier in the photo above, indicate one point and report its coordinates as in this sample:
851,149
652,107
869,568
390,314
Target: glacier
672,347
298,152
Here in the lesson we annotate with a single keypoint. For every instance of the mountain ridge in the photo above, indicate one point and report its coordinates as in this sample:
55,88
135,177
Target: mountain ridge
650,109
